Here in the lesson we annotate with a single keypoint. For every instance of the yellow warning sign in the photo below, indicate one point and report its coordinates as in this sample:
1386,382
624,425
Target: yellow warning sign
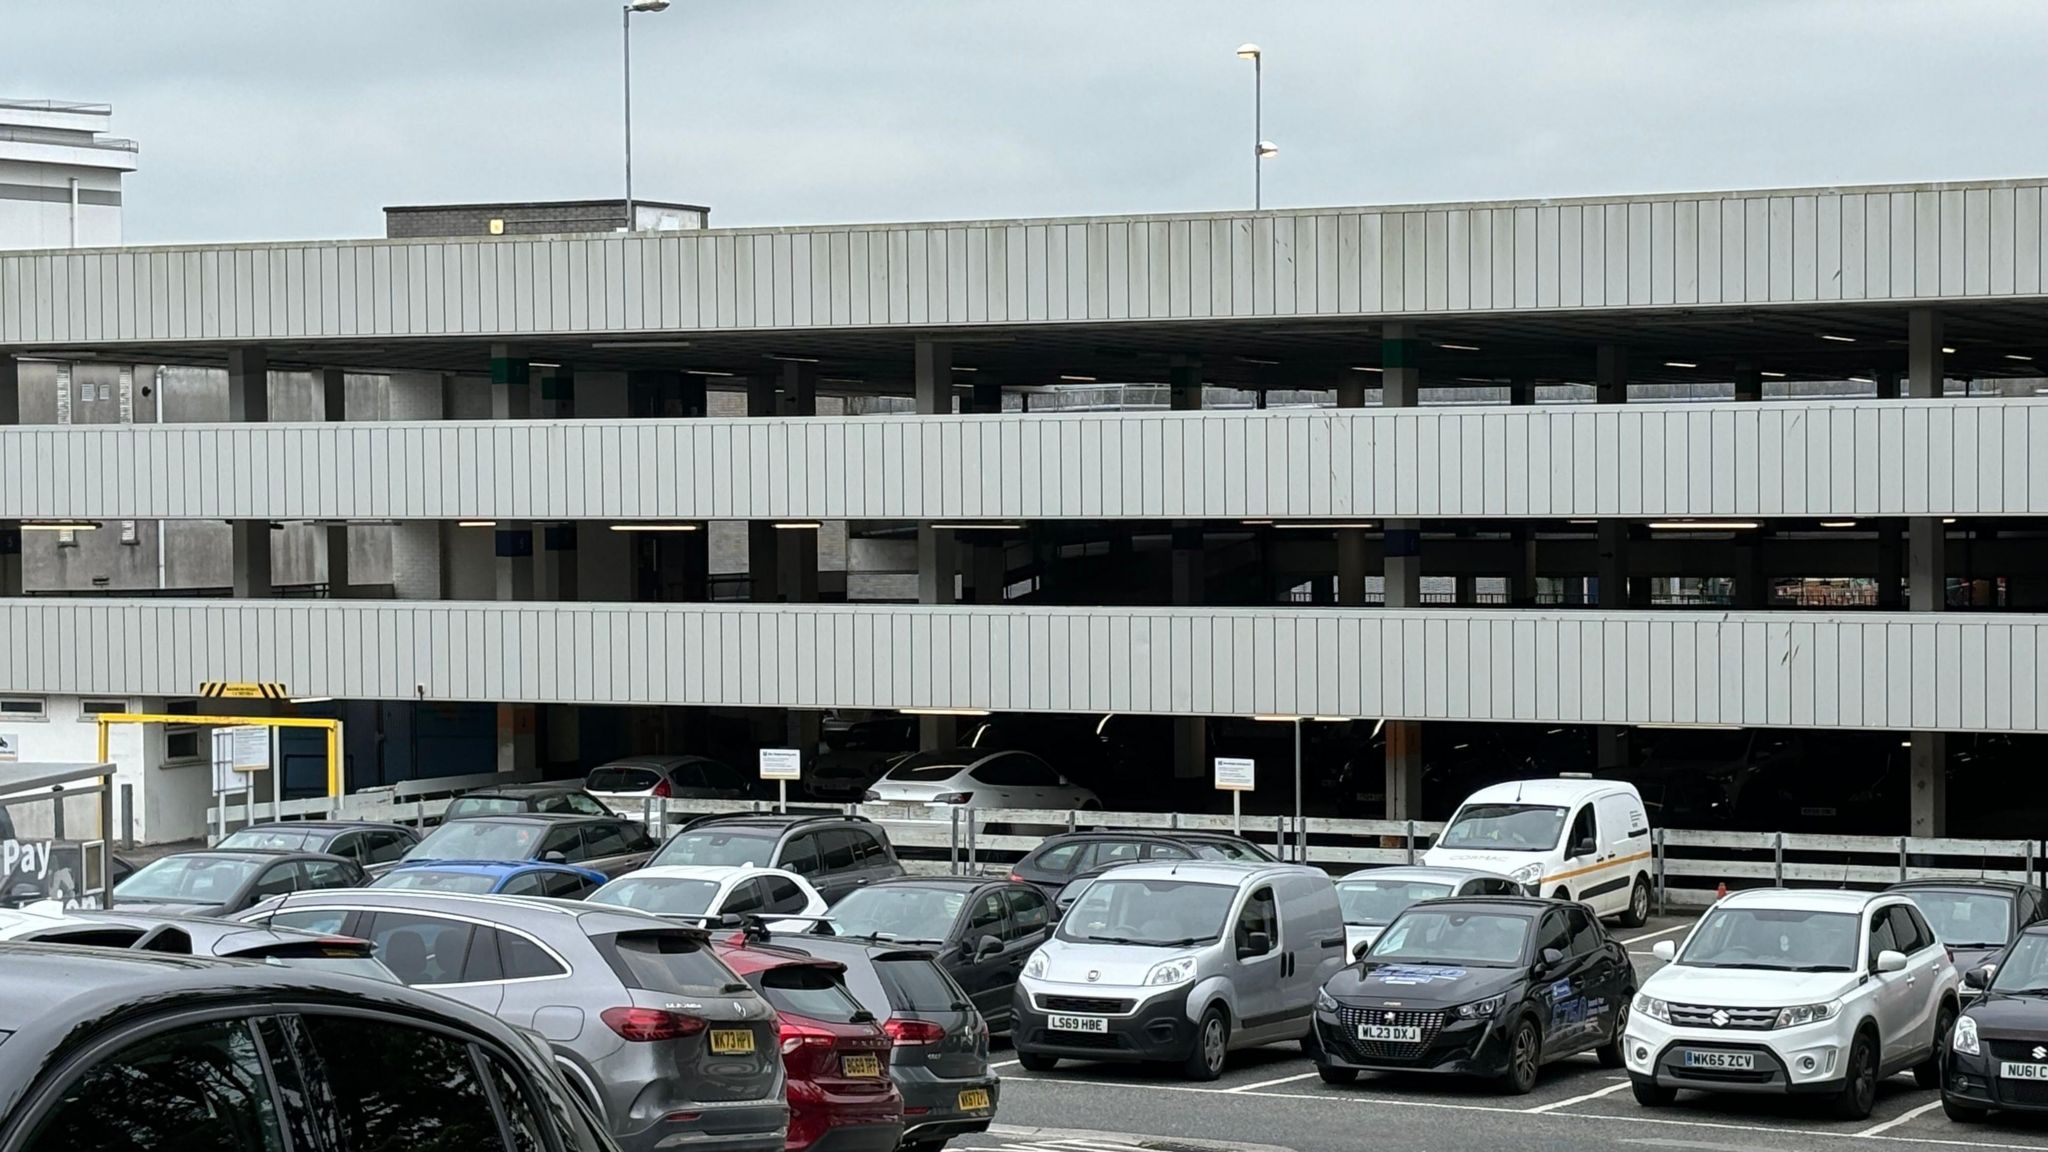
232,690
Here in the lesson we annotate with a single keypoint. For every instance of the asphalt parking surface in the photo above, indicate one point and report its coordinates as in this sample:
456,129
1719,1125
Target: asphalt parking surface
1271,1098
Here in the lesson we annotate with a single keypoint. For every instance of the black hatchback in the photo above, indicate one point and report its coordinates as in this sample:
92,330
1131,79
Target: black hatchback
1059,860
222,883
981,929
112,1050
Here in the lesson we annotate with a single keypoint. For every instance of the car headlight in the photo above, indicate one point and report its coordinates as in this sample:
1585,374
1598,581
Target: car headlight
1527,874
1325,1001
1808,1014
1171,972
1965,1038
1485,1009
1035,967
1654,1008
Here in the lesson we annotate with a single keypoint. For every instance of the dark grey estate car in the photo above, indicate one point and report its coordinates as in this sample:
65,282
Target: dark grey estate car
217,883
665,1043
373,845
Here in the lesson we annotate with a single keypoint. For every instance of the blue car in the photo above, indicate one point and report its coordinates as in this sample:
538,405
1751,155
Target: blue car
497,877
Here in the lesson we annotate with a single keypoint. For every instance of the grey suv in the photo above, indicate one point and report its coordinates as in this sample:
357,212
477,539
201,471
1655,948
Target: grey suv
665,1043
837,854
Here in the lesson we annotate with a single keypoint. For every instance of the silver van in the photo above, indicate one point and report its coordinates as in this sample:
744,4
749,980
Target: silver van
1181,962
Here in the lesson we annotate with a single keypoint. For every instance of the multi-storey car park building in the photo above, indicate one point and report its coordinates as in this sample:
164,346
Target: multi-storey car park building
1836,529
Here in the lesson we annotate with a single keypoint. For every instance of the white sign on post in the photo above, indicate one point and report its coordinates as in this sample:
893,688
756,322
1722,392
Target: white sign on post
782,765
1234,774
10,748
237,752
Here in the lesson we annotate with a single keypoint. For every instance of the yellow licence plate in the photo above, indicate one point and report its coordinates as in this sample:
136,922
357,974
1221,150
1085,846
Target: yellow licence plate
861,1065
974,1099
731,1041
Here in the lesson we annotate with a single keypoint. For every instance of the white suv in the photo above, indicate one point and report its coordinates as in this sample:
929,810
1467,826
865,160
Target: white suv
1776,991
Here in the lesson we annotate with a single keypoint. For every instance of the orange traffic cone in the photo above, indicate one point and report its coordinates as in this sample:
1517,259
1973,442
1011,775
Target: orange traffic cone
1721,891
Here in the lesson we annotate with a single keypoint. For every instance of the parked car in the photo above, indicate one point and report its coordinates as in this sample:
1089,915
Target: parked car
1996,1057
659,777
1181,963
858,755
978,778
1571,838
1372,897
374,846
708,893
1976,919
196,936
664,1043
514,799
370,1063
608,844
981,928
1059,859
1492,986
834,1052
222,883
939,1052
1809,992
837,854
491,877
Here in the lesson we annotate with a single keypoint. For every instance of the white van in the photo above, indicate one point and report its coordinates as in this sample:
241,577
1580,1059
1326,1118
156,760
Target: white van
1573,838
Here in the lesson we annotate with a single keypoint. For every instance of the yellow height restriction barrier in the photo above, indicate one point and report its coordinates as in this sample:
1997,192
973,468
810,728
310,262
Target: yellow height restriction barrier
333,728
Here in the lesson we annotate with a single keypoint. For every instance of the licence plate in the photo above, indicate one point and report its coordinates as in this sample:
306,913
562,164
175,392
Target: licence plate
861,1065
2011,1071
731,1041
1388,1033
974,1099
1729,1061
1099,1024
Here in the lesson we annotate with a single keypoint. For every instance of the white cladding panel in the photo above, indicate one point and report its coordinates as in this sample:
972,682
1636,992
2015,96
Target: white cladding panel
1927,242
1838,458
1806,669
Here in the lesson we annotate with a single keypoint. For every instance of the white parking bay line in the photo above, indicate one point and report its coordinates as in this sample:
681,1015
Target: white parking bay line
1895,1121
1004,1064
1270,1083
1654,935
1554,1105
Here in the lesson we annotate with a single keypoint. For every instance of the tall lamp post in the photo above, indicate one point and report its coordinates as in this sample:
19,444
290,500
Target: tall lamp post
626,30
1262,148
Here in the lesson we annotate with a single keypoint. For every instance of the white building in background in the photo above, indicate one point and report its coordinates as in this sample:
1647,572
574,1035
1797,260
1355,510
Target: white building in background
60,174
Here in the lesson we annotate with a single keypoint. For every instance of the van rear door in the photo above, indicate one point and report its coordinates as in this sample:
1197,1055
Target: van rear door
1625,842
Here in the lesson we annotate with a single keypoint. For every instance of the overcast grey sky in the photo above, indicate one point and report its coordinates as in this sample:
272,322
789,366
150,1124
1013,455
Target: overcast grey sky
261,119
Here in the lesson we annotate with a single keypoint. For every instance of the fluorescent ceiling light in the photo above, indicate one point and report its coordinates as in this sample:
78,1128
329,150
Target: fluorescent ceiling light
1459,347
791,359
1331,719
1838,523
797,525
2016,356
943,711
1582,521
1838,339
59,525
1255,360
1861,380
704,372
1278,719
641,344
1948,519
964,368
1680,364
311,699
1709,727
980,527
1322,524
542,364
1948,351
1079,379
1702,525
476,523
1773,375
1255,521
654,527
1366,368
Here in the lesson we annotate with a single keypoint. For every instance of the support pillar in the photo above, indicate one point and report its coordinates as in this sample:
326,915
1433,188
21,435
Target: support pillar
10,530
1190,733
1351,549
1522,392
764,564
1611,387
334,409
1521,567
1926,580
684,558
1610,374
249,402
418,548
1749,383
514,555
796,550
1403,770
1184,385
1752,584
932,384
1401,387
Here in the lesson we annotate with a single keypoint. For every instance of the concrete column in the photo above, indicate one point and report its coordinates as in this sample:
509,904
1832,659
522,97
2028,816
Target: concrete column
1891,564
1887,382
797,550
932,385
249,401
1749,383
334,408
989,572
1925,365
1184,385
764,565
1401,387
1522,392
988,392
1611,387
516,563
1404,770
10,530
1190,733
1927,578
1465,590
1610,374
1351,550
417,546
684,558
1752,584
1521,567
558,561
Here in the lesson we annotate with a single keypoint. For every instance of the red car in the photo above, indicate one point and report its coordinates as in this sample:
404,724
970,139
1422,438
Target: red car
835,1056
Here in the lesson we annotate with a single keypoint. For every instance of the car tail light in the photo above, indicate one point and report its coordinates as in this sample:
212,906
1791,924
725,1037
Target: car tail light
645,1025
906,1032
1016,879
870,796
952,797
660,789
796,1037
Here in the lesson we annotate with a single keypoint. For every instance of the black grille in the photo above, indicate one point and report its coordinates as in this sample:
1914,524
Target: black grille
1738,1019
1080,1039
2033,1092
1349,1047
2018,1051
1084,1004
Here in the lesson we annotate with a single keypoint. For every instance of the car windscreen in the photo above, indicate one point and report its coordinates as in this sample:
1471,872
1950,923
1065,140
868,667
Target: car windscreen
900,912
479,840
188,879
436,880
1775,939
810,992
1504,828
926,769
915,984
1454,936
1229,850
661,894
719,847
622,778
672,962
1964,918
1369,901
467,807
1160,912
274,840
2024,968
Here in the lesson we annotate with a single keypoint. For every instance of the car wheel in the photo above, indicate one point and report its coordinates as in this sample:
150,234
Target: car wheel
1859,1084
1927,1073
1638,913
1525,1058
1610,1052
1036,1062
1212,1045
1961,1113
1654,1095
1337,1075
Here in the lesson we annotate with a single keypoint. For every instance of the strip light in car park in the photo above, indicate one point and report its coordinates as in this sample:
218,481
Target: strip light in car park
943,711
654,527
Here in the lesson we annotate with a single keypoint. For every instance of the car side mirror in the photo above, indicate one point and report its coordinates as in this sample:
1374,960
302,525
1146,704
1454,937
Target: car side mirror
1586,847
986,947
1978,979
1552,958
1256,944
554,858
1891,961
1664,950
1359,952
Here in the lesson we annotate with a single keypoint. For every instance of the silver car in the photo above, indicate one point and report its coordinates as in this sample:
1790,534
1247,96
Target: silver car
663,1041
1372,897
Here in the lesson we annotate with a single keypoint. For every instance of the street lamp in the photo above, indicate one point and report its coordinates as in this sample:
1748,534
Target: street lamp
626,29
1262,149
